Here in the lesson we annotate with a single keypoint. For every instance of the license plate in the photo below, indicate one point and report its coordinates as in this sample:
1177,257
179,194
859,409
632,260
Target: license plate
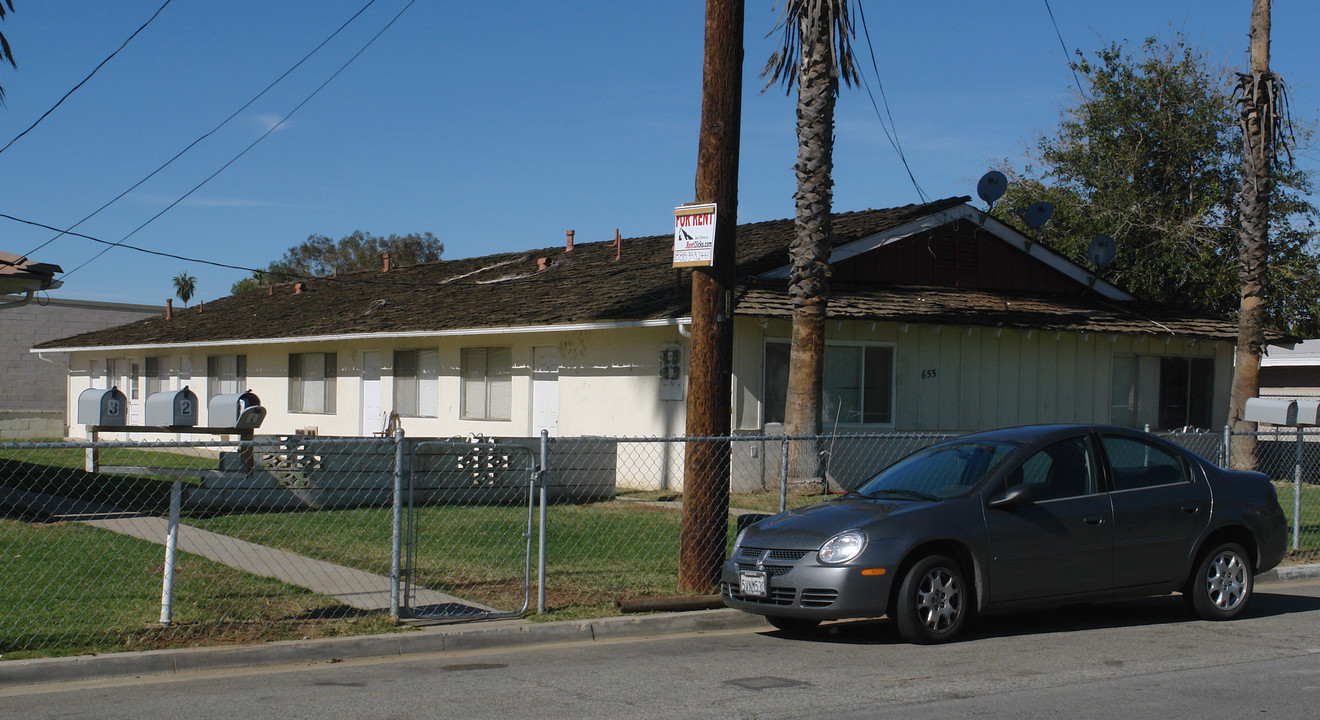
752,582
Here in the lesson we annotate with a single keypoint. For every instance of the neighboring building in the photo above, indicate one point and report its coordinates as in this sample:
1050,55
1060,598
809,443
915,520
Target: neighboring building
941,319
34,389
1292,372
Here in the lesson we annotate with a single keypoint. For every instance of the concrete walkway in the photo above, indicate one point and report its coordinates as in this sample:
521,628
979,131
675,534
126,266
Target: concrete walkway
355,588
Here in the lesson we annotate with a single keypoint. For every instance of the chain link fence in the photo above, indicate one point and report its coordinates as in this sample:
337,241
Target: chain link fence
130,546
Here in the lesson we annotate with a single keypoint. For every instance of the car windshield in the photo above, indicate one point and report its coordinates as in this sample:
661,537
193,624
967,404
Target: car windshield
938,473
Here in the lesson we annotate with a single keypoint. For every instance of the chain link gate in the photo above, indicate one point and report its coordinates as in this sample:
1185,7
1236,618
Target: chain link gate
468,532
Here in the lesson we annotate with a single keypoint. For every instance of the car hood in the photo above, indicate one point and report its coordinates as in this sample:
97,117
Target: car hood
806,528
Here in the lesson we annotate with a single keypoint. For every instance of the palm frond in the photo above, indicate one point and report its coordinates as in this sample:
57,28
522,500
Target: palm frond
801,21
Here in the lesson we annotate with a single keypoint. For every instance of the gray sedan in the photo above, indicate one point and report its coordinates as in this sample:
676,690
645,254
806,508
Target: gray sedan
1014,518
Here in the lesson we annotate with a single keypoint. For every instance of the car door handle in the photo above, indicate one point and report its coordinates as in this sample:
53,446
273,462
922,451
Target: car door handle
1191,509
1094,520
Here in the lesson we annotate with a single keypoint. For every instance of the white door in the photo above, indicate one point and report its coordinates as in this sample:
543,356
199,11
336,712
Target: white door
373,417
545,390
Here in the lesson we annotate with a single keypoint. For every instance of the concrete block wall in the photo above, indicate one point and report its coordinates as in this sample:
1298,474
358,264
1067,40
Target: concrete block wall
32,390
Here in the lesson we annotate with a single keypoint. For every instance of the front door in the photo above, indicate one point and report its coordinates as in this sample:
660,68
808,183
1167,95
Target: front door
373,416
1063,543
545,390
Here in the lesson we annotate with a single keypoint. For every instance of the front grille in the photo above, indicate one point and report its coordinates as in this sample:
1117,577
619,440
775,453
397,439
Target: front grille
770,570
751,553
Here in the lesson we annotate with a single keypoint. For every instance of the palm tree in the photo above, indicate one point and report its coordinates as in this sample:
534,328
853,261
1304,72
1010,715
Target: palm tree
5,52
816,53
1264,121
185,286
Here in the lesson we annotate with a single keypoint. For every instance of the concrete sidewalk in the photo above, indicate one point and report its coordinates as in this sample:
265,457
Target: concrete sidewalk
355,588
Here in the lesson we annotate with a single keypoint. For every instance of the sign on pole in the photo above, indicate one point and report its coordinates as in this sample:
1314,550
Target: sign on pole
694,235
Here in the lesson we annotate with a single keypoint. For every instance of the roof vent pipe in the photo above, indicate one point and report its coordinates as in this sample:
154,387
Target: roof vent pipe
542,263
568,248
618,245
169,308
387,265
298,288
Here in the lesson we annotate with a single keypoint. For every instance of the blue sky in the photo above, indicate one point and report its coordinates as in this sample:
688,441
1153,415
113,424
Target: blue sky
498,126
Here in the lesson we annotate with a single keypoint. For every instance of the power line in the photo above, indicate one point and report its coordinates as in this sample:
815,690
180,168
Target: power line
893,139
254,143
211,132
89,76
1066,55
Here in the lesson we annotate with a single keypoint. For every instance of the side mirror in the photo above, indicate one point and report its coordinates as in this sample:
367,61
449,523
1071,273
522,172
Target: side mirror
1020,494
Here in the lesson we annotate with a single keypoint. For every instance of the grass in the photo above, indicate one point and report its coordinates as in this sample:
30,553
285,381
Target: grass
60,471
1309,525
70,589
596,554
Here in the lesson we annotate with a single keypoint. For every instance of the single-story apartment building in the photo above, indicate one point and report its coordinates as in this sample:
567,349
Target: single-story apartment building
941,319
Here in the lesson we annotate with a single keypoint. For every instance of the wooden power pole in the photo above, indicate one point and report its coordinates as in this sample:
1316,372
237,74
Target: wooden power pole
710,366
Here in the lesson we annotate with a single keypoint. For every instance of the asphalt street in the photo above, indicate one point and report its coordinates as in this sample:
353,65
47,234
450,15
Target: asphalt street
1143,659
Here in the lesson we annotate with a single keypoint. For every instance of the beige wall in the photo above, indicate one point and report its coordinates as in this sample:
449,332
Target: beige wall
608,383
951,379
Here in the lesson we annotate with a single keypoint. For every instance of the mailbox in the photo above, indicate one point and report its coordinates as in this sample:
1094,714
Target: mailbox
172,408
1275,411
102,407
242,411
1308,412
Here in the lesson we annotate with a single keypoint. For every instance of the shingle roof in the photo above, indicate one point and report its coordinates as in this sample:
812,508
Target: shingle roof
589,285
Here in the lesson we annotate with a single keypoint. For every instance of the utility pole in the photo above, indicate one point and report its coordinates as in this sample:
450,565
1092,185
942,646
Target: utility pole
710,365
1257,95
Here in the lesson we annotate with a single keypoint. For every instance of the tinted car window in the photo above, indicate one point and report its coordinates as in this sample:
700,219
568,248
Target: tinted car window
1138,464
942,471
1061,470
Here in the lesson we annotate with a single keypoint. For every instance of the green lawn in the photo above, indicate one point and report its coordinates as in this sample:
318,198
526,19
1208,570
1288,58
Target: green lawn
72,589
1309,547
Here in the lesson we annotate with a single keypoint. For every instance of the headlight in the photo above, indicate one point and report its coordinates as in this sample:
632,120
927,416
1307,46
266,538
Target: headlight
737,542
842,547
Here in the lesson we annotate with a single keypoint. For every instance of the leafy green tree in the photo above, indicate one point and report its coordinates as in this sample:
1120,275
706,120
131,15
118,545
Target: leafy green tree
185,286
1153,158
319,256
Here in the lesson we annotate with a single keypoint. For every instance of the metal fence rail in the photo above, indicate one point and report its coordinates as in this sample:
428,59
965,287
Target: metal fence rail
134,545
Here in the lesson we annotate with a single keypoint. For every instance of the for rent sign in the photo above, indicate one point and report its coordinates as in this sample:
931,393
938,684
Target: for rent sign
694,235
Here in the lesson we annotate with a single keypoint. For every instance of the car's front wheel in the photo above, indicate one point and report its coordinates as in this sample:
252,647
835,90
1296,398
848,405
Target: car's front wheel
933,601
1221,583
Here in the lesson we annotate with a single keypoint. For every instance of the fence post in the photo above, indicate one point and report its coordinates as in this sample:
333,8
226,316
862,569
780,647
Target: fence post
1297,494
396,547
171,552
540,526
1228,440
783,474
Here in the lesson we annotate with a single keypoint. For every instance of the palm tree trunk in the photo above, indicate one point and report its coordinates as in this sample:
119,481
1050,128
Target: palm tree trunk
1257,98
809,276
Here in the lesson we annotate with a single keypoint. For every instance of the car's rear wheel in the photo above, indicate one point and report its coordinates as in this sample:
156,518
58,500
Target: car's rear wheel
792,625
1221,583
933,601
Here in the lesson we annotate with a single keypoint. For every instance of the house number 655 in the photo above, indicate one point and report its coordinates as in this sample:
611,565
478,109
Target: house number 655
928,373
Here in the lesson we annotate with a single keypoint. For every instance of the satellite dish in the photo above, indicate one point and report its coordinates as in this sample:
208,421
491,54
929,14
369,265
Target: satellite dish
1037,215
992,186
1101,251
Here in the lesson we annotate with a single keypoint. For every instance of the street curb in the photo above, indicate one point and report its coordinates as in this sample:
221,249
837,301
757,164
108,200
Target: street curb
501,634
459,637
1290,573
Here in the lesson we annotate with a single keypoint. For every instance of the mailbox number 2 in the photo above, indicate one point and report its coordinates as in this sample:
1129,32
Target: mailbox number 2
185,407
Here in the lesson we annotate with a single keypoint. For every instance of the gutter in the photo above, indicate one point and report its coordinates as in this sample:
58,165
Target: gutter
566,327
